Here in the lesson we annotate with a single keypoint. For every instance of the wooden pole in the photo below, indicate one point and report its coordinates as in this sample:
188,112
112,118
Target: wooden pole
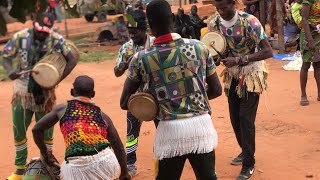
180,5
65,21
279,7
262,8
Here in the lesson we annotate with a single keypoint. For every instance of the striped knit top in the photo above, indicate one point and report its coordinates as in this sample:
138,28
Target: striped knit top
83,128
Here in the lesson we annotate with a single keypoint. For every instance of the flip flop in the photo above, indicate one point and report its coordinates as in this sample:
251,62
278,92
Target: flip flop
304,102
14,176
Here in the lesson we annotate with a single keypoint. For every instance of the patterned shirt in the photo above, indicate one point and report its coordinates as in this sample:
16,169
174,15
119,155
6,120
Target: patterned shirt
27,51
243,37
175,70
129,49
83,128
296,13
314,15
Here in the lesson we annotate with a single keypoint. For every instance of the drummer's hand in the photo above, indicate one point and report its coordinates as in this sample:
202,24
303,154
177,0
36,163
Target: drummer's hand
311,44
48,158
13,75
217,61
229,62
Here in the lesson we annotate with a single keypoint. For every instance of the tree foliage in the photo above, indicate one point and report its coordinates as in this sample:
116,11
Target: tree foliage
22,8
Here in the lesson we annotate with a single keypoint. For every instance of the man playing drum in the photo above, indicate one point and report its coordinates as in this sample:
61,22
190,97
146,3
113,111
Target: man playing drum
27,47
244,76
139,40
88,133
177,72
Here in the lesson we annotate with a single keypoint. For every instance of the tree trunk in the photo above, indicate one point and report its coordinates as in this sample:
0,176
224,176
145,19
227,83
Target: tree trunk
65,21
279,7
262,8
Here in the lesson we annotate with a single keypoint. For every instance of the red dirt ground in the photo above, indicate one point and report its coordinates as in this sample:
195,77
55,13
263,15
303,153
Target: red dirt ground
287,135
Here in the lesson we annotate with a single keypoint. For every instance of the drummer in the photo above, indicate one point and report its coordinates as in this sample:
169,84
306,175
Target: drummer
177,71
139,40
244,76
27,47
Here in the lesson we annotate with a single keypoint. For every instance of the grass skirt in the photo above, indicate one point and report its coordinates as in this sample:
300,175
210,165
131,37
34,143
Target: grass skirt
103,165
184,136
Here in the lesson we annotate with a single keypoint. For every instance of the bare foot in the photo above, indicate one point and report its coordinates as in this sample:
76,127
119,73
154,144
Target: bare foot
304,101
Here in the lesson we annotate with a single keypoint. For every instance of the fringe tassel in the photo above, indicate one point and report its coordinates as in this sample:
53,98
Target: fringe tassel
26,100
252,78
103,165
184,136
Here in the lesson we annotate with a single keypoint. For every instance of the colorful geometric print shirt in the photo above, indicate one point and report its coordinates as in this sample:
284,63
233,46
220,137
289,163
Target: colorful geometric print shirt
83,128
175,70
243,37
27,51
314,15
129,49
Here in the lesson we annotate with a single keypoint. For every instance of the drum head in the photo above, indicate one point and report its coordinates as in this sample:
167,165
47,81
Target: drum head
216,40
143,106
46,75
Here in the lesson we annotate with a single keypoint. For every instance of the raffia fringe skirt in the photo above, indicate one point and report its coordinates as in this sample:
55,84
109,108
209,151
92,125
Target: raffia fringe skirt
103,165
184,136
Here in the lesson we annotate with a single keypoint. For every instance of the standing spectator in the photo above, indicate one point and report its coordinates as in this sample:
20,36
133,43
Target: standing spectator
196,21
309,44
55,5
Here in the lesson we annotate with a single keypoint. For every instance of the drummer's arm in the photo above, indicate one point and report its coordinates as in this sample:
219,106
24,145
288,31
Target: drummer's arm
45,123
132,82
259,36
264,53
130,87
116,144
214,86
71,63
9,53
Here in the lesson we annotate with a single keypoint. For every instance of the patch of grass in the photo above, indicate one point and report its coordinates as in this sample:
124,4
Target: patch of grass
79,41
97,56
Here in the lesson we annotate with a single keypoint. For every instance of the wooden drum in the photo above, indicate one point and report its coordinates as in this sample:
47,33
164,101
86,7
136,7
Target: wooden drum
48,71
37,169
143,106
215,42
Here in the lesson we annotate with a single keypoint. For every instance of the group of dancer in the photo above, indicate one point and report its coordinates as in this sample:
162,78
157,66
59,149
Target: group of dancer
181,75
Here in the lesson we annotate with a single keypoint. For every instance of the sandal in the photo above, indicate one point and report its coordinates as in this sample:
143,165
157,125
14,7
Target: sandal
304,102
14,176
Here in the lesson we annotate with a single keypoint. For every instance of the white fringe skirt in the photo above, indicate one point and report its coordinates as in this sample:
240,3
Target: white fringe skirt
103,165
184,136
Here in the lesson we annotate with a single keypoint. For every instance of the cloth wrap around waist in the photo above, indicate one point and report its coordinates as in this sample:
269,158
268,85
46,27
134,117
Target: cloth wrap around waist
252,78
307,54
22,96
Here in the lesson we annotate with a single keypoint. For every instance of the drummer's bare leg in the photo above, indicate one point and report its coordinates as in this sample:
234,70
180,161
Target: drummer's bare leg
48,134
133,130
316,67
21,121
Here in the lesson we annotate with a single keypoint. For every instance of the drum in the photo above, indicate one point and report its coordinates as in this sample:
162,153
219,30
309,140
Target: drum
36,169
74,50
215,42
143,106
48,71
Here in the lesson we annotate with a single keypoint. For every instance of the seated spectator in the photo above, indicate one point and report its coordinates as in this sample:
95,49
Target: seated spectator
196,21
183,25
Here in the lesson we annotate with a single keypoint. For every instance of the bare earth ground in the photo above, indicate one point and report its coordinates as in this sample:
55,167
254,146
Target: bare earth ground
287,135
